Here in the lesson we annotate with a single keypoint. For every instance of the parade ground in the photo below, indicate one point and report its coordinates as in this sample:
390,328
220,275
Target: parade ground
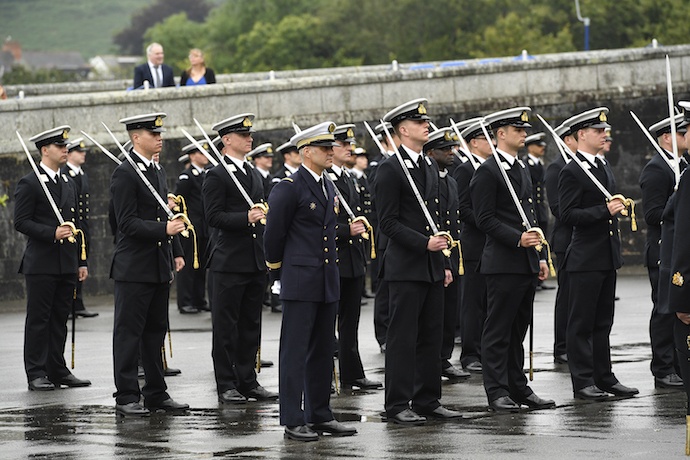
80,423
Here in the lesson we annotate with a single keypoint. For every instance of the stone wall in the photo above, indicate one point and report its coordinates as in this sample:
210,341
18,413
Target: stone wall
556,86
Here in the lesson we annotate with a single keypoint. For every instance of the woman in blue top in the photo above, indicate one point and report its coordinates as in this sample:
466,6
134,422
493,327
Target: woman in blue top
198,73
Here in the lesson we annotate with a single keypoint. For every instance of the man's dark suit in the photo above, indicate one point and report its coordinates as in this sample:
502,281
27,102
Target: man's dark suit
352,267
511,276
239,275
300,240
415,281
473,299
81,183
657,182
50,268
559,239
142,268
591,260
191,282
143,73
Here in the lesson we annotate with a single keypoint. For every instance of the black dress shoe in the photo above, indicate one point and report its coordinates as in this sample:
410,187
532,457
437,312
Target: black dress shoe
205,307
440,413
86,314
231,396
621,390
171,371
546,287
301,433
504,404
266,363
363,383
332,427
474,366
188,310
672,381
457,340
453,373
560,359
169,405
140,372
382,347
260,394
133,409
72,381
276,308
368,295
592,393
407,417
41,384
535,402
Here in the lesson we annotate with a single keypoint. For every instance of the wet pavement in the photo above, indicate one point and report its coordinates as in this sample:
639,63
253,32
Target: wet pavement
80,423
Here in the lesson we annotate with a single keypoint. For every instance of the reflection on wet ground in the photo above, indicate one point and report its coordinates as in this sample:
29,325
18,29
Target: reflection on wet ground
81,423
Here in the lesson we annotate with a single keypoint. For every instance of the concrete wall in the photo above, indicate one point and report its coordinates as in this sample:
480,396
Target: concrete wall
556,86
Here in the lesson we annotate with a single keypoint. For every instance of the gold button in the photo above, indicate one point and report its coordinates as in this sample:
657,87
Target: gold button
254,235
610,233
427,227
325,238
529,200
159,244
358,208
325,249
158,219
253,224
337,260
349,241
436,200
447,222
326,261
610,221
71,209
324,227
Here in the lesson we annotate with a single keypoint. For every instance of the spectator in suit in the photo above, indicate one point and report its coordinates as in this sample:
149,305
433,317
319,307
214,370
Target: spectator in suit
154,71
197,73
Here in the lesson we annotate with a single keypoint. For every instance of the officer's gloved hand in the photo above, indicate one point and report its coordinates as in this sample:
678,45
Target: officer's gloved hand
275,287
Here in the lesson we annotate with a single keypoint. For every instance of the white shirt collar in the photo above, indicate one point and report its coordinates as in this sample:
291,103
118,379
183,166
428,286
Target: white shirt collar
201,170
507,156
601,157
239,163
290,168
358,174
443,173
589,157
478,158
414,156
76,169
316,177
337,170
264,173
142,158
49,171
535,159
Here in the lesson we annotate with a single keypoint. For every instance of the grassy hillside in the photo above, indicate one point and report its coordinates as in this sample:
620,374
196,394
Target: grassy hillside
86,26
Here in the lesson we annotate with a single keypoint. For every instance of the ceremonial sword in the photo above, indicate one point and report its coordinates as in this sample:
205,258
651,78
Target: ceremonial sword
383,151
671,115
671,164
466,148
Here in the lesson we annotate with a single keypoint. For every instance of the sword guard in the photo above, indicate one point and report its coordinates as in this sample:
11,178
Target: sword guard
366,223
264,208
69,224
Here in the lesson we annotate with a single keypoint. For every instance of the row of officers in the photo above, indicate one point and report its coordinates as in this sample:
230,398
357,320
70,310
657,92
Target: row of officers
453,221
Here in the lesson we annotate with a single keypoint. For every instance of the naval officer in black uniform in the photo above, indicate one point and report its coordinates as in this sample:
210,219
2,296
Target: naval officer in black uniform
191,282
591,260
559,239
351,264
300,241
76,157
238,264
416,271
509,262
473,298
51,264
439,148
291,161
147,254
657,182
262,159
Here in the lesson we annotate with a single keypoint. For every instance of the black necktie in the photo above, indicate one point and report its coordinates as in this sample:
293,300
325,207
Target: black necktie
598,162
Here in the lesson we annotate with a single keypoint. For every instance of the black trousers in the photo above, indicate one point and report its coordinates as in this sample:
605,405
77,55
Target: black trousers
413,346
306,362
510,298
681,337
349,309
141,321
450,319
48,303
591,306
560,322
473,312
79,300
191,283
236,316
664,361
381,311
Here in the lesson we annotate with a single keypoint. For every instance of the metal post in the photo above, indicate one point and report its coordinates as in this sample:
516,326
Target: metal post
585,21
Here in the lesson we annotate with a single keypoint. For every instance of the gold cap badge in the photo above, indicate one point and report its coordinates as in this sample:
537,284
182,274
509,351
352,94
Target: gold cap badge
350,132
158,122
65,133
524,117
246,122
421,109
602,116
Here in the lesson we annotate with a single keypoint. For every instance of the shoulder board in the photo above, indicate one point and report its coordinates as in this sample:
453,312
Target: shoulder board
183,177
72,173
373,163
64,177
44,177
195,172
428,160
289,179
275,180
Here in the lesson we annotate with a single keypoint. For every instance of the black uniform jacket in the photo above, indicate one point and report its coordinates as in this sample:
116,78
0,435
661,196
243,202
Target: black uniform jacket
300,239
238,247
350,248
562,233
143,251
189,185
448,210
657,181
471,237
497,216
679,270
34,217
401,219
595,244
81,183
